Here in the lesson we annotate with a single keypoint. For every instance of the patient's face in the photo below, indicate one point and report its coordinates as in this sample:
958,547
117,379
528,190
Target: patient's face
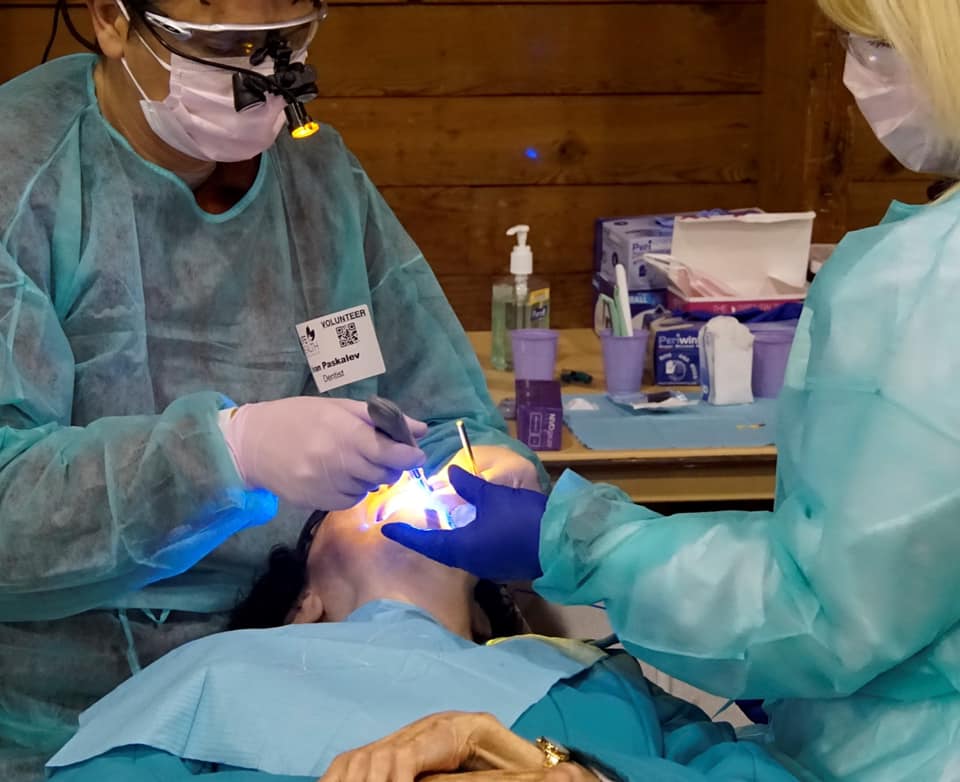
350,559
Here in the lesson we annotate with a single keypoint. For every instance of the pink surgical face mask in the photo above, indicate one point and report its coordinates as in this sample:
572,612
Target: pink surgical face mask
898,112
198,117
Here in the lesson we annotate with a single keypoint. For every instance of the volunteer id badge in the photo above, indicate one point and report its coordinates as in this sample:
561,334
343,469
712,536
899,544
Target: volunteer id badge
341,348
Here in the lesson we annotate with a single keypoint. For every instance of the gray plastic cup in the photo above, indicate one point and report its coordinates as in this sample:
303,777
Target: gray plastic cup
771,349
534,353
623,361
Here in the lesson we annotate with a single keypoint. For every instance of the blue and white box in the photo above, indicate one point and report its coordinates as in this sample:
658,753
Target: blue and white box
627,241
675,352
640,301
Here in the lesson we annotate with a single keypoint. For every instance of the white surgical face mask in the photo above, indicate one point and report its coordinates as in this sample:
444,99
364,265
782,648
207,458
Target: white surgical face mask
900,115
198,117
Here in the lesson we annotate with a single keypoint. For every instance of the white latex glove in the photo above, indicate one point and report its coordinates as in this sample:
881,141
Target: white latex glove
315,453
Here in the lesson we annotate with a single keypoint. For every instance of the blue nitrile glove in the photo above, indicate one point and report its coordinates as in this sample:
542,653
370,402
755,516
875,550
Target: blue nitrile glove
501,544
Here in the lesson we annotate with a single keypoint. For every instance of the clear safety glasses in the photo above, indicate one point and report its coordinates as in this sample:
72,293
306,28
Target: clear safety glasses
218,41
879,57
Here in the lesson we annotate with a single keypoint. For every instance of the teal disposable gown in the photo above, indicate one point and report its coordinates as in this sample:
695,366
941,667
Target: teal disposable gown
840,607
127,317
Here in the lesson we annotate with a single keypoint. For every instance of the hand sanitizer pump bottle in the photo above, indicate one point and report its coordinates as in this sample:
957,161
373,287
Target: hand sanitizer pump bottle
520,300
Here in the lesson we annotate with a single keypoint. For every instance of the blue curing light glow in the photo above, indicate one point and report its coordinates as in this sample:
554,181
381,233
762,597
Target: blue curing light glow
531,153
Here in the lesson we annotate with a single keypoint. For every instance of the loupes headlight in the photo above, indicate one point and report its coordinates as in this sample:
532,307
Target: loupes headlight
219,41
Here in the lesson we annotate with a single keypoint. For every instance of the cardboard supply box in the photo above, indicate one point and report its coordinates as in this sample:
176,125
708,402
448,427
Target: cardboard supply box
627,240
753,260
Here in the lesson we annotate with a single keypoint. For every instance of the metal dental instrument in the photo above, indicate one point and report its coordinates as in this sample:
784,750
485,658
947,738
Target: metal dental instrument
462,429
390,421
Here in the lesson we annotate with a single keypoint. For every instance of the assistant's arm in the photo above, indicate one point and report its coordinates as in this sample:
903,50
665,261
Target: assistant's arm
853,573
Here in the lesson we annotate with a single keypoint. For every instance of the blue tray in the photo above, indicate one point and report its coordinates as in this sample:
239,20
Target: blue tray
612,427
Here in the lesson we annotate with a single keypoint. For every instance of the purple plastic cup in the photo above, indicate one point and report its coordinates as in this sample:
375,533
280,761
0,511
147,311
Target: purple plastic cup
534,353
623,361
771,349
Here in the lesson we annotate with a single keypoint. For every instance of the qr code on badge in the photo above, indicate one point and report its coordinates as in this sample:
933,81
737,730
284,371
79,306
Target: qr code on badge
347,335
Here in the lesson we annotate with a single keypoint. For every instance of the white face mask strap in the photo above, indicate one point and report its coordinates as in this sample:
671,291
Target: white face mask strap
123,60
157,57
126,67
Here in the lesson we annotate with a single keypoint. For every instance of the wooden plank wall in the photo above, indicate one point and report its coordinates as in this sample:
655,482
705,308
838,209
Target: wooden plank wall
472,115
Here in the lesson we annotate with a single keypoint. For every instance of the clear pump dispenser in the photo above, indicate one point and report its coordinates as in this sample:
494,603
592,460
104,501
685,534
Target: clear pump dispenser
520,300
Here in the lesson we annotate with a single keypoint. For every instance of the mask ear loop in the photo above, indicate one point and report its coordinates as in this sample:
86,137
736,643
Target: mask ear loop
126,66
123,60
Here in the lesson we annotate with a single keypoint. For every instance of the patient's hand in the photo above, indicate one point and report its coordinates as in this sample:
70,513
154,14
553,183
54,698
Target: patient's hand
564,772
451,742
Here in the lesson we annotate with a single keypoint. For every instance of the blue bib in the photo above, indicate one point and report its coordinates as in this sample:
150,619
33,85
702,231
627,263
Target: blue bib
289,700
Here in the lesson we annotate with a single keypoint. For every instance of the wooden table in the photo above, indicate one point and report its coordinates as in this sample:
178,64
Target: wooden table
648,476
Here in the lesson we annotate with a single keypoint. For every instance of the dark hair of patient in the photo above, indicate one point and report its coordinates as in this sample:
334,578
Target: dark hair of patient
274,593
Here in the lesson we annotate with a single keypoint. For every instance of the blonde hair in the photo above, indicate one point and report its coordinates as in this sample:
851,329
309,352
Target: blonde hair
926,33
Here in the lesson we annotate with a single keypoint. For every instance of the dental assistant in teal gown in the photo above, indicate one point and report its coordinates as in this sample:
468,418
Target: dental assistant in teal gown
841,608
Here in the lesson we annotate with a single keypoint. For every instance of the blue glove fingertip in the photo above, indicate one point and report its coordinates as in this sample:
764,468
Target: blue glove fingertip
404,534
466,484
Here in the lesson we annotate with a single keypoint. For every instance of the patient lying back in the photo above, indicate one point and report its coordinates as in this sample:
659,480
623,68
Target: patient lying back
371,637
